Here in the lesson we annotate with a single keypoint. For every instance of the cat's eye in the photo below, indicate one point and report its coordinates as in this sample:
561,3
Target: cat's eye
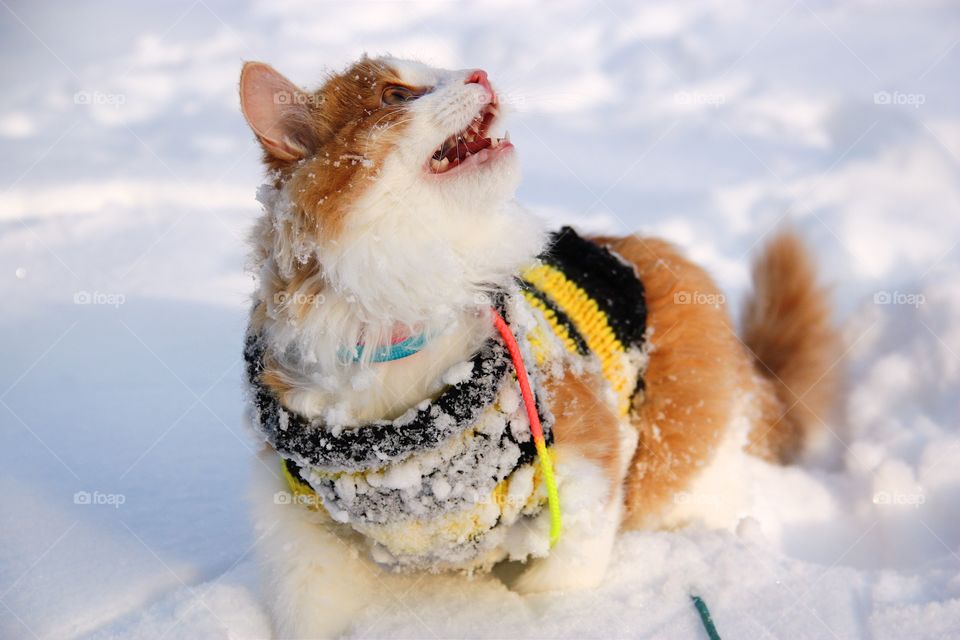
395,95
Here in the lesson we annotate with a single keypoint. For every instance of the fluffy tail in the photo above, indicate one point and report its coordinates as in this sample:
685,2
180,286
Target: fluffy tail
787,326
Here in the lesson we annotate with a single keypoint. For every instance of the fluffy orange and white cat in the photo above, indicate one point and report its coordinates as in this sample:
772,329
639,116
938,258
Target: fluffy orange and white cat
396,439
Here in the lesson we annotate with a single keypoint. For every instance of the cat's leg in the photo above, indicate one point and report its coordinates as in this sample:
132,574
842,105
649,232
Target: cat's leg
591,451
694,379
591,510
315,579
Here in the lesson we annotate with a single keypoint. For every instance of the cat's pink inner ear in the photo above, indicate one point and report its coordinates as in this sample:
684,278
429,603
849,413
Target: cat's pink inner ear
276,110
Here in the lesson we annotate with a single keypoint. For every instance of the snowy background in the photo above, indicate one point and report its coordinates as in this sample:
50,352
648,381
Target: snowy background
128,181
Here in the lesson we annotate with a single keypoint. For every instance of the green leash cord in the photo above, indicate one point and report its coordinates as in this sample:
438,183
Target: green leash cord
705,618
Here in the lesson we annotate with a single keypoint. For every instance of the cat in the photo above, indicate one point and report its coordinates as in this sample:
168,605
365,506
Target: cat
397,438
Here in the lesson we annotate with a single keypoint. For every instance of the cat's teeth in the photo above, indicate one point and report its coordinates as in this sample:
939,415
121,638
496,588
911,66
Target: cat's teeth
443,164
506,136
435,165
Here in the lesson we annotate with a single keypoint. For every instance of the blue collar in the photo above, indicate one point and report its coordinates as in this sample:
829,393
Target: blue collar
391,352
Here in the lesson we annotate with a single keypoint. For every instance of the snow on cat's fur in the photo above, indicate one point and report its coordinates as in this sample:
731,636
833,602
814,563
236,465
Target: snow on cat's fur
372,228
414,250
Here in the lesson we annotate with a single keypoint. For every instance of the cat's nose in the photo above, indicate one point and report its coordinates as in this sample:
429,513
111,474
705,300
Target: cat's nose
479,76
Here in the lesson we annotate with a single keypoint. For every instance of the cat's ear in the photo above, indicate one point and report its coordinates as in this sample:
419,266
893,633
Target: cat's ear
277,111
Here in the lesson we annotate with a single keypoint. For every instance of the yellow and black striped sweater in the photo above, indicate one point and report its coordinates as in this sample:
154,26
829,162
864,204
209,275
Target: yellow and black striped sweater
438,487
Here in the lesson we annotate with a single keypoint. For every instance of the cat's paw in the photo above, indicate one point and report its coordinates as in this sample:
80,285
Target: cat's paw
556,573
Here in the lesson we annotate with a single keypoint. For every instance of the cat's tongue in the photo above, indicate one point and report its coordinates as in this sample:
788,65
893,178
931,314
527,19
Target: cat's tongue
463,148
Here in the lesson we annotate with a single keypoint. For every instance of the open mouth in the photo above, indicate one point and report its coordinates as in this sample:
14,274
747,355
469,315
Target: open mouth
472,141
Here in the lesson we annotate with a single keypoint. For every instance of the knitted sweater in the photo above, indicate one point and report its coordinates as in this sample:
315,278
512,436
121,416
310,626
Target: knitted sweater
438,487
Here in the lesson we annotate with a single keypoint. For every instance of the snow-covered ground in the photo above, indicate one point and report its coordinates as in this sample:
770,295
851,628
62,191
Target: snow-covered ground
128,183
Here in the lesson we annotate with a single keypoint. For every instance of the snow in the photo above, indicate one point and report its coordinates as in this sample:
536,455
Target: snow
458,373
129,174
